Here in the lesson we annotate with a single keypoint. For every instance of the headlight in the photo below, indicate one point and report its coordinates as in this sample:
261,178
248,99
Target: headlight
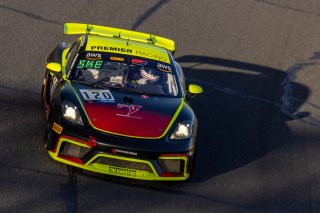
71,113
182,131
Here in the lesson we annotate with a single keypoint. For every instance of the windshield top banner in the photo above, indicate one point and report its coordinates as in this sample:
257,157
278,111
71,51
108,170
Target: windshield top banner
135,50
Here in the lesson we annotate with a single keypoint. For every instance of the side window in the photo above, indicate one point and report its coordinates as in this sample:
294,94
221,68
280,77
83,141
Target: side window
71,54
180,74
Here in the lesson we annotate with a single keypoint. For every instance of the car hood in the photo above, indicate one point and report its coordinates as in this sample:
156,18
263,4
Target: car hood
128,114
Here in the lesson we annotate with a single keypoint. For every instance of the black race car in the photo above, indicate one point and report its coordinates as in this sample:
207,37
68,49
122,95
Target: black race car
116,104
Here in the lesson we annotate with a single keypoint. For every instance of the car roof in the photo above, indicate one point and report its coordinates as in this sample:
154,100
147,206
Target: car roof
127,47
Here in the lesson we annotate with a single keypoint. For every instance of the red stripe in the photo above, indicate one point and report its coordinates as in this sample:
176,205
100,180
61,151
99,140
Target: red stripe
72,159
171,174
141,123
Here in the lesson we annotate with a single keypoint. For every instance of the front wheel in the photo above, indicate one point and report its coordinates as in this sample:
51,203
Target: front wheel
192,167
48,132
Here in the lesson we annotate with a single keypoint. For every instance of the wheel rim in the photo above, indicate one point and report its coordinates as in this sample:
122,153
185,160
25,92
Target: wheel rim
46,134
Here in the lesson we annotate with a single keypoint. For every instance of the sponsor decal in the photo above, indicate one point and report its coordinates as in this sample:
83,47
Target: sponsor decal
112,49
85,64
97,95
116,79
139,61
116,151
150,55
57,128
93,56
122,171
116,59
164,68
129,51
132,109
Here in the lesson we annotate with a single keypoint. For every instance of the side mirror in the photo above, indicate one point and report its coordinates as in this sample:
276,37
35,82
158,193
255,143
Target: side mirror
193,91
54,67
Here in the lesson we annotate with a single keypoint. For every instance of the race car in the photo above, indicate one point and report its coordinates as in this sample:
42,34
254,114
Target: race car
116,103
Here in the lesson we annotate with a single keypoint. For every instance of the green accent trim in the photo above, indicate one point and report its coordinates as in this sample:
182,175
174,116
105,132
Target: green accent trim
173,118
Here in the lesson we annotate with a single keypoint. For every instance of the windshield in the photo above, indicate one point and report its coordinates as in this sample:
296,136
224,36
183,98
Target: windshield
126,72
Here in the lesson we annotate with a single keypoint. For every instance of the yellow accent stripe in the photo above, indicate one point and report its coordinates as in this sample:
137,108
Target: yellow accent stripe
132,136
105,169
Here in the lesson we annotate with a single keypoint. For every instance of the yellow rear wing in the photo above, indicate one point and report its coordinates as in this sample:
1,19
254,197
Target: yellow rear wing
78,28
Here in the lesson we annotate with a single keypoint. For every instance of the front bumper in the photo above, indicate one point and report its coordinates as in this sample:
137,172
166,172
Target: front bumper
91,155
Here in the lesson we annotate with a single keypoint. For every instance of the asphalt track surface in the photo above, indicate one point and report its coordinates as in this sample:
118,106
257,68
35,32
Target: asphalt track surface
258,143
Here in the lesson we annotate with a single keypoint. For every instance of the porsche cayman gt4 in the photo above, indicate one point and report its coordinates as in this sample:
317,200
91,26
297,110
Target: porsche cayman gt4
116,103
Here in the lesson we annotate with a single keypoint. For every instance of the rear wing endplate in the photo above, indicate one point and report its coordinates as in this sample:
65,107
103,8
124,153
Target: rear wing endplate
78,28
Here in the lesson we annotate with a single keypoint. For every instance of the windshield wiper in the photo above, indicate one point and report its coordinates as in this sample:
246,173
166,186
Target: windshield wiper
95,85
88,83
121,89
138,91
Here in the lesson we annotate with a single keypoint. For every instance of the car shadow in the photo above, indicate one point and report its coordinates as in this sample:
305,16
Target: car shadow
241,115
241,112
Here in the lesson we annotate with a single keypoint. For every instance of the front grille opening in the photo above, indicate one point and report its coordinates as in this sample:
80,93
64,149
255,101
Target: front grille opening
73,150
171,165
123,164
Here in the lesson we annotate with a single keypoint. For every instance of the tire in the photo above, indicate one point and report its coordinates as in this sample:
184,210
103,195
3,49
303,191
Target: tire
44,87
48,131
192,168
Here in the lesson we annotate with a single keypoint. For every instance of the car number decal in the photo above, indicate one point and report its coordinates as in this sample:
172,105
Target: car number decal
97,95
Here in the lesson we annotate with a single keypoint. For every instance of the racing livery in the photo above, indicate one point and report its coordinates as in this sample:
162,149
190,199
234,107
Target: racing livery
116,104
